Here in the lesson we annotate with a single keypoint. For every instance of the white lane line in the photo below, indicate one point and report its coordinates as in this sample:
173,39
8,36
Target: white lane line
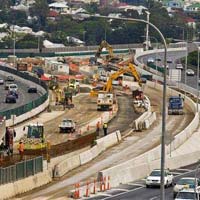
124,193
153,198
186,170
119,189
178,173
136,184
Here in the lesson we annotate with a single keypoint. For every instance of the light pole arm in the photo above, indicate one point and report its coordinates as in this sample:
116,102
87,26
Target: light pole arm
164,92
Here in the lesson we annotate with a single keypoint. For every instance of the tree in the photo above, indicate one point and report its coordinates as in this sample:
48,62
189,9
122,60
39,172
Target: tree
41,10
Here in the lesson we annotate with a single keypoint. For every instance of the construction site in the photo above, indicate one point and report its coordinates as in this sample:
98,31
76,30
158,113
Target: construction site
91,100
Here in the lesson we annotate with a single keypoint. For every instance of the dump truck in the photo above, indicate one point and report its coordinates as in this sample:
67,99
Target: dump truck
104,101
34,138
175,105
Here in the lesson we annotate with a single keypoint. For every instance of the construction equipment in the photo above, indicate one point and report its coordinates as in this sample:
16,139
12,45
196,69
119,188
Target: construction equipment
108,86
110,57
105,101
67,126
34,139
175,106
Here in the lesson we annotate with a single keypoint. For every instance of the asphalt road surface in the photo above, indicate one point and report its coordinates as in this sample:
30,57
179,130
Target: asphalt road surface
24,96
174,57
138,191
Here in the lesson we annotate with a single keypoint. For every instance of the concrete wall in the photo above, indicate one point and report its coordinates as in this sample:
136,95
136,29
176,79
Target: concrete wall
24,185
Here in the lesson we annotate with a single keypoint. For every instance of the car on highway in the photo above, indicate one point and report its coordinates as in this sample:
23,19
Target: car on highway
13,93
10,99
169,61
190,182
190,72
32,89
155,177
7,85
1,81
10,78
179,66
13,87
150,60
158,59
187,194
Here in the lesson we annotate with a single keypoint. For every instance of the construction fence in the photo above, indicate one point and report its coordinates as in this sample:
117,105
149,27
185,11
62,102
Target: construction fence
31,105
21,170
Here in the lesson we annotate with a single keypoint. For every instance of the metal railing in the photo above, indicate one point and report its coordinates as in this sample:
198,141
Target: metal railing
31,105
21,170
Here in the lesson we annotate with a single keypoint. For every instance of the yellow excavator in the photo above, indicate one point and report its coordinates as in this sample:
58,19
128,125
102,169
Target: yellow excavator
110,57
108,86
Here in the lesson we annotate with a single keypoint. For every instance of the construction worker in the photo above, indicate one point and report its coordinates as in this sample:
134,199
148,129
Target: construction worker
98,128
105,128
21,150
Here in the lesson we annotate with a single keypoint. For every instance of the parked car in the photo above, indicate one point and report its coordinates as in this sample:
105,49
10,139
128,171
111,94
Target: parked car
190,72
190,182
13,87
1,81
10,99
10,78
179,66
187,194
67,126
32,89
154,178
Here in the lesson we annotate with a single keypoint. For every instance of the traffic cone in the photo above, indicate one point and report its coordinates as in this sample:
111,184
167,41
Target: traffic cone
94,187
87,190
104,183
108,183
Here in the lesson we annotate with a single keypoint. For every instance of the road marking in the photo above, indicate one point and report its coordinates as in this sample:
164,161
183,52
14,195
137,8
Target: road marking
123,193
153,198
187,170
136,184
178,173
119,189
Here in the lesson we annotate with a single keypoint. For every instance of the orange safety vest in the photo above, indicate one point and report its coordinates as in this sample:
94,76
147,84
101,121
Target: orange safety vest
21,147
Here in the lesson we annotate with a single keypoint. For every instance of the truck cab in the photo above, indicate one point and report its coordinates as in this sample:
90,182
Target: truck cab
105,101
175,105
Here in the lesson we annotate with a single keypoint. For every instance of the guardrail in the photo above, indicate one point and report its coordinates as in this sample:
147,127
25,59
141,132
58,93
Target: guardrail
29,106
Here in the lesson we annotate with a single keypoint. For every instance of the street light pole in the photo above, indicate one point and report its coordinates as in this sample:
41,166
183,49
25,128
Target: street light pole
147,31
162,190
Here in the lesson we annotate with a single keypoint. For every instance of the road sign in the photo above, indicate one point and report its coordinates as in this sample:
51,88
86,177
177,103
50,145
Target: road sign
175,75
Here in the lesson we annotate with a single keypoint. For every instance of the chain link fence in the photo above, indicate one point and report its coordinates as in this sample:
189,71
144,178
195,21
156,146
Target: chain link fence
21,170
31,105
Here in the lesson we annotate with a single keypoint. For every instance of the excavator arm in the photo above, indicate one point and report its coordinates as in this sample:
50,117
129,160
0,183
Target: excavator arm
104,44
130,68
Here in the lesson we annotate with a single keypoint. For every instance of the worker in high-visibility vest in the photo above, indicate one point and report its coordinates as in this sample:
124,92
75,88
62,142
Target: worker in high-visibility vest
21,150
105,128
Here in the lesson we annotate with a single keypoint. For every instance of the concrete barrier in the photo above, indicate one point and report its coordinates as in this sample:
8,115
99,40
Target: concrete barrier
67,165
84,157
10,190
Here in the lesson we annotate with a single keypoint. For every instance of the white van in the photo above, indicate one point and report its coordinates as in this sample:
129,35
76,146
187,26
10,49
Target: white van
13,87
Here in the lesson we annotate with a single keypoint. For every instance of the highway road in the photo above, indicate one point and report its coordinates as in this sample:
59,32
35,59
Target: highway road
173,56
23,99
138,191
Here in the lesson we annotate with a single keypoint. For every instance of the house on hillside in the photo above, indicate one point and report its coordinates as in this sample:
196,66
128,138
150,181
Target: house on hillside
195,7
60,7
